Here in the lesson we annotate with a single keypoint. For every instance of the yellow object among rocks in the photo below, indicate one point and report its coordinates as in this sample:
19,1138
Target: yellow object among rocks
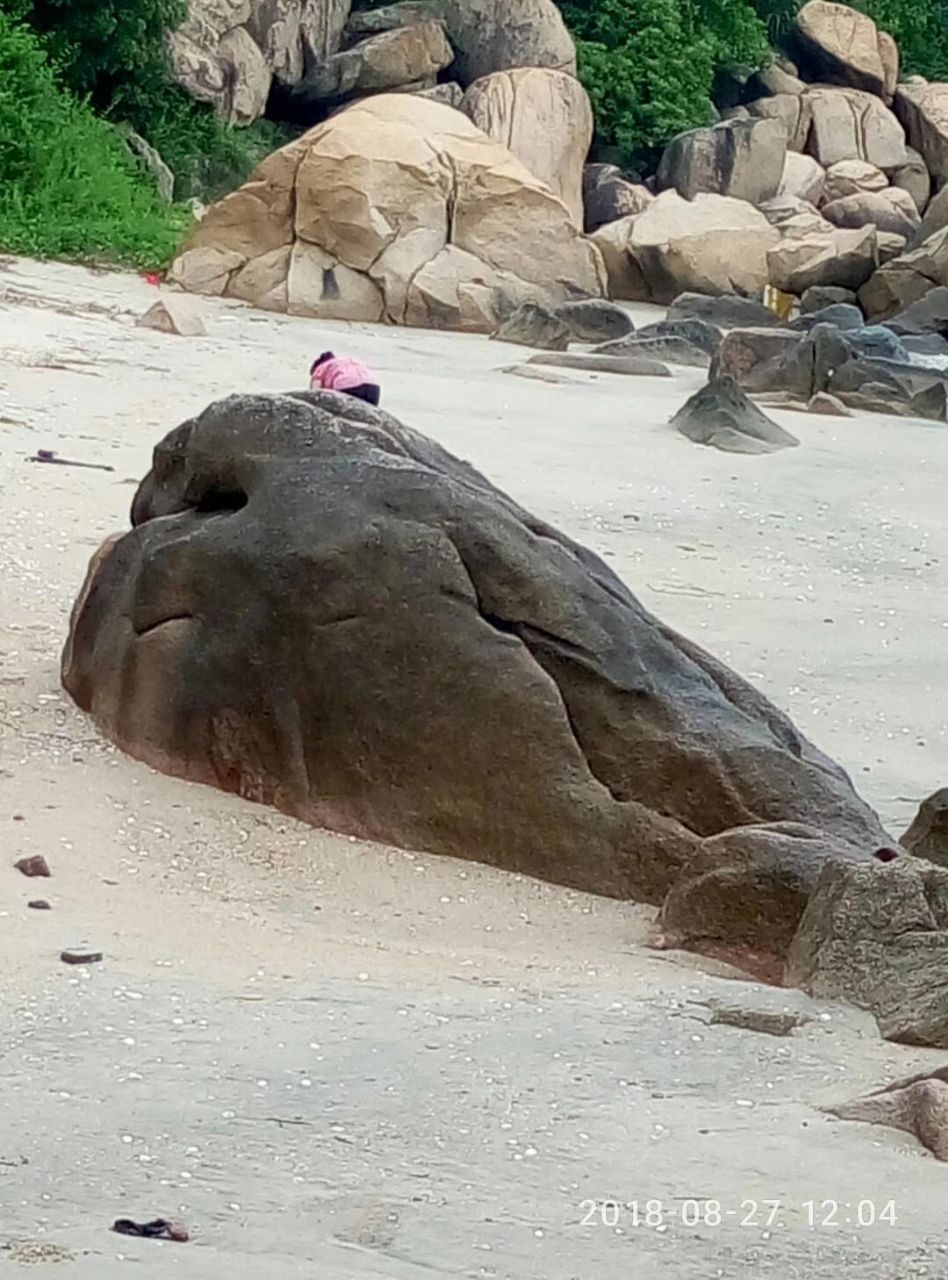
779,302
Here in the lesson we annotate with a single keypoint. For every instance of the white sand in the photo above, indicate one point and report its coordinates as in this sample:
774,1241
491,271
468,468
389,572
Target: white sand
337,1060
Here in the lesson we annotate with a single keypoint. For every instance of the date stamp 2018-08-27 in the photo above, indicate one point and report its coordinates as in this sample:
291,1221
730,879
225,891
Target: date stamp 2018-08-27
750,1214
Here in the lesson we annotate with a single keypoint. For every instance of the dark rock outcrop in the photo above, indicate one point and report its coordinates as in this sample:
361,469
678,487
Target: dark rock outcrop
324,611
531,325
927,837
594,320
739,158
877,936
661,346
608,196
820,296
721,415
635,365
725,312
917,1105
698,332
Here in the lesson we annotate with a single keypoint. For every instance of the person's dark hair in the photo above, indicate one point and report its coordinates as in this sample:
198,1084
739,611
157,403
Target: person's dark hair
327,355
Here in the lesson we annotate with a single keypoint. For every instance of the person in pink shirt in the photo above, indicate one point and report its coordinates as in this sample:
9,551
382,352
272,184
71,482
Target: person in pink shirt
341,373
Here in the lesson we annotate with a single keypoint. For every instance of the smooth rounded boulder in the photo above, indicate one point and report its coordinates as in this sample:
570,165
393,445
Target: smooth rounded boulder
400,209
322,610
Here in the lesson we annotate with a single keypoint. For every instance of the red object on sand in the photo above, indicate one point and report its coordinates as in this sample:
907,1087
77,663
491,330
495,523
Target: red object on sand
151,277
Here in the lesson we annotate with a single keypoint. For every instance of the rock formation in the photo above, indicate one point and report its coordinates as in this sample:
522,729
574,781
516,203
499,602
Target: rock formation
397,208
321,610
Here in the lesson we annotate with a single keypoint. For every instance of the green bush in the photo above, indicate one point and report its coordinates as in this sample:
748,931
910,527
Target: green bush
70,187
920,28
649,66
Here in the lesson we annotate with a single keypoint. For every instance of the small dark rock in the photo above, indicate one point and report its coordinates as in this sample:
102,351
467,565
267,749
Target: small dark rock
879,343
698,332
820,296
39,904
927,837
634,365
80,955
534,326
35,865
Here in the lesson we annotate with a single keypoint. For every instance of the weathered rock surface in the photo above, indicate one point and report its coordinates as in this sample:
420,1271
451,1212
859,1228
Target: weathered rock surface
534,326
722,312
544,118
594,320
630,366
802,177
396,208
907,278
700,333
890,210
739,158
929,315
844,315
609,197
936,217
918,1105
487,35
405,56
844,258
923,111
837,44
820,296
793,111
173,315
743,351
227,52
623,273
850,125
721,415
421,661
828,406
774,80
877,936
712,245
927,837
670,347
850,177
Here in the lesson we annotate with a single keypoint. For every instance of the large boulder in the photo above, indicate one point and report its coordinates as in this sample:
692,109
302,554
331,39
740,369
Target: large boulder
723,312
850,125
927,837
487,35
534,326
228,52
712,245
936,216
843,258
877,936
397,208
793,111
913,177
851,177
322,610
907,278
544,119
928,316
407,55
837,44
739,158
923,110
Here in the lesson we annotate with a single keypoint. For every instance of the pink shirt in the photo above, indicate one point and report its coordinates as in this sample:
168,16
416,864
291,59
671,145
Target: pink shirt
341,373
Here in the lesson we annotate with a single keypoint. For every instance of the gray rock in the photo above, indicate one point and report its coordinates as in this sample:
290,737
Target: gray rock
697,332
151,162
743,352
721,415
841,314
400,58
738,158
82,954
531,325
594,320
630,365
821,296
801,364
828,406
421,661
924,344
928,314
668,347
879,343
899,388
927,837
913,177
609,196
877,936
725,312
918,1105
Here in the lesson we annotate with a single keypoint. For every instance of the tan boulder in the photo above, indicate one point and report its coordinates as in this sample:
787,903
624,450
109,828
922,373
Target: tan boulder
890,210
907,277
794,217
487,35
850,177
322,23
407,55
936,216
839,45
623,272
173,315
890,245
793,110
397,208
850,125
803,177
843,258
544,118
889,55
923,111
711,245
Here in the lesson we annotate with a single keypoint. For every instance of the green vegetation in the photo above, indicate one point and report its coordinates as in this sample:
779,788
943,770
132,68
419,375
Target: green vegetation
920,28
70,186
650,65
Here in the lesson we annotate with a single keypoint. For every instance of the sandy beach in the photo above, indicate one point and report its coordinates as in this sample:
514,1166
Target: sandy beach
335,1059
